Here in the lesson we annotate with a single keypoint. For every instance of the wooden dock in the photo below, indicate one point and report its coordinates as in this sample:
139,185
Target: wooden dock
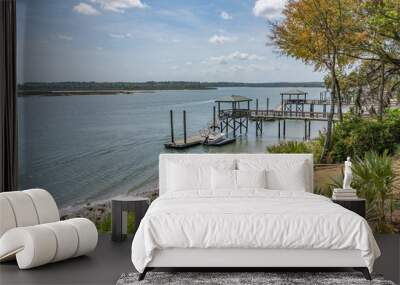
186,141
271,115
181,143
313,102
235,115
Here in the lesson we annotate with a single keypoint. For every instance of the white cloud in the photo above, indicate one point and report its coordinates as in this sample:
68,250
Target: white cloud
99,48
121,36
224,59
220,39
237,68
226,16
220,59
86,9
244,56
188,63
270,9
119,6
64,37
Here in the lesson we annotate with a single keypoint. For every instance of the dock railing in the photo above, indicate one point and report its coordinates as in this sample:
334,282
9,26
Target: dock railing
275,114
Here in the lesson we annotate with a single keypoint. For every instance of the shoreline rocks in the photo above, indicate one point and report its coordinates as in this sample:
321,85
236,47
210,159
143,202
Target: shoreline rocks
97,211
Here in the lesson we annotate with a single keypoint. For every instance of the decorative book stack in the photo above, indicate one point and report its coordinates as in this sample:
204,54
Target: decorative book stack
344,194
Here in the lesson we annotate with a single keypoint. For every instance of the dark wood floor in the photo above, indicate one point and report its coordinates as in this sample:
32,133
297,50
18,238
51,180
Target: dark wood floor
111,259
103,266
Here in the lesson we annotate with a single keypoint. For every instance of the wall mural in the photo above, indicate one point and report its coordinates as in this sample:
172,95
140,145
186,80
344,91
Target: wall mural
105,86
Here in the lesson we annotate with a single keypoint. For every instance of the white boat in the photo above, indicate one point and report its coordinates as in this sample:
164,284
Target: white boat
214,138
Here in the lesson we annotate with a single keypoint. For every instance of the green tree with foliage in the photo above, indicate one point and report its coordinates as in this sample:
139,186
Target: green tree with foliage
320,33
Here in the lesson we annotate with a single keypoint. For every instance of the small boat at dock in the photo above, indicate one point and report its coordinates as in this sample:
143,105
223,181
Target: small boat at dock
217,139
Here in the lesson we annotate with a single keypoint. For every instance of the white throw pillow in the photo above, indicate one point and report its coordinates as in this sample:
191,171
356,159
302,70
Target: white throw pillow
293,178
287,174
251,178
183,177
223,179
194,174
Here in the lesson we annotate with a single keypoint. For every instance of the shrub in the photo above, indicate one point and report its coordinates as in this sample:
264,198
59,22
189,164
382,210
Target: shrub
105,224
393,123
355,136
373,178
315,147
289,147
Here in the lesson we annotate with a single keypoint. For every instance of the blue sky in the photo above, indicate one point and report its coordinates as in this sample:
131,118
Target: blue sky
141,40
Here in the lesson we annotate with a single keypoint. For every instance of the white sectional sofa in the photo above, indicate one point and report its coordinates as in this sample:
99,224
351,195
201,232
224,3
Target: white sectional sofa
31,231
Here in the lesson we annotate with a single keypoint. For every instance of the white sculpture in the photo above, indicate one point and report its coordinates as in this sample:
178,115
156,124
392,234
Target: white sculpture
347,174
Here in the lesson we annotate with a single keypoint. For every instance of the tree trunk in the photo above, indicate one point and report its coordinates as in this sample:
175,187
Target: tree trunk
358,100
382,91
328,136
338,94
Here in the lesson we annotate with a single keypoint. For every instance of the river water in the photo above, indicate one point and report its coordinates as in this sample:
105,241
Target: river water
86,148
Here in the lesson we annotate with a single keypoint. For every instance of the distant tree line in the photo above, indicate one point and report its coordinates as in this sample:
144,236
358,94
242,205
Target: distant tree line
149,85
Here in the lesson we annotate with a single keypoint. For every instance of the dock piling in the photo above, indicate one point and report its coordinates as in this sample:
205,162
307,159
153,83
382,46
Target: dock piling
311,110
259,127
257,106
234,128
284,129
279,129
171,119
184,127
214,126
